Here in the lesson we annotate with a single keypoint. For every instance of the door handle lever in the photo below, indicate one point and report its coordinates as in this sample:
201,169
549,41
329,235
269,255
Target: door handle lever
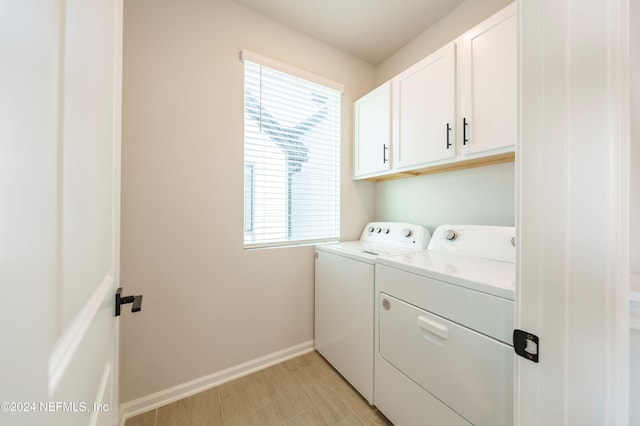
123,300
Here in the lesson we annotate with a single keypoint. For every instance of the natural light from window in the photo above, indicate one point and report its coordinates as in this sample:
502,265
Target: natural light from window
291,158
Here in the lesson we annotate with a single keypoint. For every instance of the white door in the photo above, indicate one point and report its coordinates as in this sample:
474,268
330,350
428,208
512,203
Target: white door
60,81
424,111
573,173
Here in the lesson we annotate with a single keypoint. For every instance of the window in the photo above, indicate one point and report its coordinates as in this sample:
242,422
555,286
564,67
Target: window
291,156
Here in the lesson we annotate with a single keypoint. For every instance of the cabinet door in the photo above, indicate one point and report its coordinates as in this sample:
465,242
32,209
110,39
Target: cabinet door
488,73
424,111
373,132
469,372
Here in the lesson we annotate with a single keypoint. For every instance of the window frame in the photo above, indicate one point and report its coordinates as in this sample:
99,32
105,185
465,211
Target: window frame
262,61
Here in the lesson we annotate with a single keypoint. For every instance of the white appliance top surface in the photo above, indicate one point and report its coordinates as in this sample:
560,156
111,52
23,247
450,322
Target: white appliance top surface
363,250
480,258
487,242
380,239
487,276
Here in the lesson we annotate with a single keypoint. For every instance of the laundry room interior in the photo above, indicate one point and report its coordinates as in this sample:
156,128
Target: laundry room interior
213,309
209,304
497,259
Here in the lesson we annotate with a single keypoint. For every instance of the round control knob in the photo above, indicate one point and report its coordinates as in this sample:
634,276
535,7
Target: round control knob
378,230
406,232
370,229
385,231
450,235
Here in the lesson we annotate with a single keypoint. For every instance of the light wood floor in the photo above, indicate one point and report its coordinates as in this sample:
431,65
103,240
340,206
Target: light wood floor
302,391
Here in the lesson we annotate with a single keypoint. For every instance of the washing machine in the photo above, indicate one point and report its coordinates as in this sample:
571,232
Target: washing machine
443,327
344,296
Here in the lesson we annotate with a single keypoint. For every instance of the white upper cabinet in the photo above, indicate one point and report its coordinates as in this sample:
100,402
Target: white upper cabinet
373,132
455,108
424,111
487,82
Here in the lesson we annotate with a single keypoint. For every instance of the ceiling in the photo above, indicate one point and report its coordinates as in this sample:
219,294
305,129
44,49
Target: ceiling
371,30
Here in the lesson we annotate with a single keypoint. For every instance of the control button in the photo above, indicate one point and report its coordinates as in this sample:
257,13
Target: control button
406,232
386,304
370,229
450,235
513,241
378,230
385,231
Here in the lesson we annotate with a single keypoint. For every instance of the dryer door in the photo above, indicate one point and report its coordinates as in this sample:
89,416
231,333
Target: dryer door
469,372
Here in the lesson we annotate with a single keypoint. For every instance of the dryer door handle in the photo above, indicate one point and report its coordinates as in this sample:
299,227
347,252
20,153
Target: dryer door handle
433,327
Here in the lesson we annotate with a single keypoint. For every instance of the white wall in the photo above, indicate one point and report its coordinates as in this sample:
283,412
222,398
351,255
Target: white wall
634,74
634,378
482,195
209,304
454,24
634,222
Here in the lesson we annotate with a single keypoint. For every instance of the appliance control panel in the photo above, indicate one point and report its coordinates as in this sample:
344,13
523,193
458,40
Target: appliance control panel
397,234
487,242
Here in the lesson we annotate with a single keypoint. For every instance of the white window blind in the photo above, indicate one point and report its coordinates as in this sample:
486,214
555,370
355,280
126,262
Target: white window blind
291,158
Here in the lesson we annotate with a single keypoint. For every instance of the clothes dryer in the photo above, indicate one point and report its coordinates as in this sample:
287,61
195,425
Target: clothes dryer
443,328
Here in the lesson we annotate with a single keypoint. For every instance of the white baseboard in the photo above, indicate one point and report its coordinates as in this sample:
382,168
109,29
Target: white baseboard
140,405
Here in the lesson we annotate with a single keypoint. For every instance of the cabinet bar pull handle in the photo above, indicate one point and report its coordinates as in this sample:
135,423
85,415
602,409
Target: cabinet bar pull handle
448,131
384,154
464,131
433,327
